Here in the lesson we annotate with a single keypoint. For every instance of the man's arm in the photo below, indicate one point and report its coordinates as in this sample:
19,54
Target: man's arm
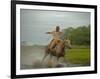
48,32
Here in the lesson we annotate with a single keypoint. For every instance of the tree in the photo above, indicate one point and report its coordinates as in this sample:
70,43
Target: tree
79,35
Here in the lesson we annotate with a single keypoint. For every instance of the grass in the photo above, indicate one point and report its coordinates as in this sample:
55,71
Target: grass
78,56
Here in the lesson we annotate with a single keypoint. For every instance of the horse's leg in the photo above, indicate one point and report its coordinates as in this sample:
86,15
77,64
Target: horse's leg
64,59
50,57
56,62
57,58
46,54
50,62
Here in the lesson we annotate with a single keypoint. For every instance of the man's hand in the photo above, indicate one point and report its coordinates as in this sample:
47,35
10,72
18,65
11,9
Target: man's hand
48,32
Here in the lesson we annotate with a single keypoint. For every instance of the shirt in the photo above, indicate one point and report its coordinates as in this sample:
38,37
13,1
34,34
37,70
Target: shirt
56,35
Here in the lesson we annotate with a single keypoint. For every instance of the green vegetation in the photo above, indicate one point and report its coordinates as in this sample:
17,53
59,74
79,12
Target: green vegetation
80,41
79,35
78,56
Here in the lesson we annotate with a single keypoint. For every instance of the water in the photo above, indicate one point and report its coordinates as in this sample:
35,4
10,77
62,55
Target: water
31,57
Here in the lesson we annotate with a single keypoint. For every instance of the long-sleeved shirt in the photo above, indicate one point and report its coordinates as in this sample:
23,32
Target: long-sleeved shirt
55,34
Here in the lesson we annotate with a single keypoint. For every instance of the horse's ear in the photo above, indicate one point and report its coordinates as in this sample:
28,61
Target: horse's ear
64,39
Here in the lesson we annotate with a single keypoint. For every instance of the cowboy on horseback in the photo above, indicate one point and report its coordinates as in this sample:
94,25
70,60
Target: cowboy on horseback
56,38
57,45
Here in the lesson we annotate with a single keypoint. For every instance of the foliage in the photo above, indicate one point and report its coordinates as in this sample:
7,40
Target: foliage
79,35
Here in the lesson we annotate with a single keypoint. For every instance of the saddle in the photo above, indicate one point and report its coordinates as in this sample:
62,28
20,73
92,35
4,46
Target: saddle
56,42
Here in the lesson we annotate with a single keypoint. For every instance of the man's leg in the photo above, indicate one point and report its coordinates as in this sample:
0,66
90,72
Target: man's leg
53,44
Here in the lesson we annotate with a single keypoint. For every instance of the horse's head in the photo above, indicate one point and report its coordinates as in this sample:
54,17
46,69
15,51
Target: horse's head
67,43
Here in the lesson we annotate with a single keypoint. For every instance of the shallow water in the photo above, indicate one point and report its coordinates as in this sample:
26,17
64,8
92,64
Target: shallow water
31,57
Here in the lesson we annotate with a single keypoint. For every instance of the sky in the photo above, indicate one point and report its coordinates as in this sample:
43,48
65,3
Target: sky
35,23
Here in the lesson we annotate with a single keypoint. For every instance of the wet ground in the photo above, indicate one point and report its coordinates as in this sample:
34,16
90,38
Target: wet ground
31,57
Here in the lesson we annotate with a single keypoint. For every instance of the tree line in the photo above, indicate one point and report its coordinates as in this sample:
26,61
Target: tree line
79,35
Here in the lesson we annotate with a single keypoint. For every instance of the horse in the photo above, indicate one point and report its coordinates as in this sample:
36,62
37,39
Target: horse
58,51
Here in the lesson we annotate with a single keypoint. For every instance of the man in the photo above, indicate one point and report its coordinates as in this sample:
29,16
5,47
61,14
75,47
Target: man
56,37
